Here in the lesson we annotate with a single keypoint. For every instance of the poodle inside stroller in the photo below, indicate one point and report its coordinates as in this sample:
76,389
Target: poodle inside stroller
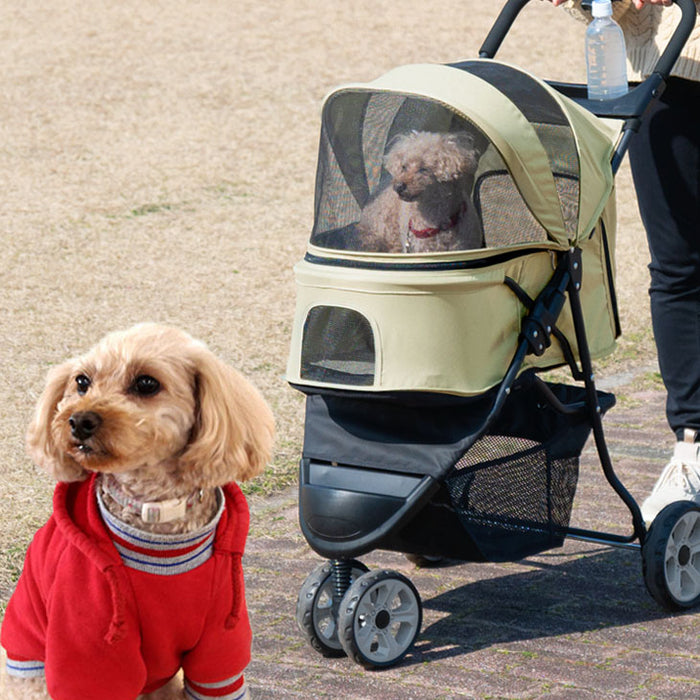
463,241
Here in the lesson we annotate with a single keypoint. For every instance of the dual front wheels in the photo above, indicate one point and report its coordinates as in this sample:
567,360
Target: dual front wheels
375,621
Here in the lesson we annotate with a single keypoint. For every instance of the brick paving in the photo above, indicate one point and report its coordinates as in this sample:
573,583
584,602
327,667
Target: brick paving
575,622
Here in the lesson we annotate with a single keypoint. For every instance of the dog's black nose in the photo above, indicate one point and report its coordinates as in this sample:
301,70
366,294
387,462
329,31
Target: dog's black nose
400,187
84,424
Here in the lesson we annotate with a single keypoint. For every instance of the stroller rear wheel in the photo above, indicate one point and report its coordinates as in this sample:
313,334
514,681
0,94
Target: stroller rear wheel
380,618
424,561
317,607
671,556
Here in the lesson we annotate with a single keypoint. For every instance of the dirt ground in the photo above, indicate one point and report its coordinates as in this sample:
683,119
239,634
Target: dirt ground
157,162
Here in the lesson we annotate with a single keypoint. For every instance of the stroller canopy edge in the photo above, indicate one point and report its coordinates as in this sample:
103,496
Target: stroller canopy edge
594,159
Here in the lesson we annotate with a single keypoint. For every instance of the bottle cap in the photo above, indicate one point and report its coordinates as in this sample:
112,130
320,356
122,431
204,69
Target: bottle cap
601,8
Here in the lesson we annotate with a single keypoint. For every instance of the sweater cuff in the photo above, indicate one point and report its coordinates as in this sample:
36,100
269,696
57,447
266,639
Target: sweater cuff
230,689
24,669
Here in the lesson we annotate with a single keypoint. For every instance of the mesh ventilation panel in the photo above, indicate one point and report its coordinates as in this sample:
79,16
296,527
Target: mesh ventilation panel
505,218
337,347
384,185
511,496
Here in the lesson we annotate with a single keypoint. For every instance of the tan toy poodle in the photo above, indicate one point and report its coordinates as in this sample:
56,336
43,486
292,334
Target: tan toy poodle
428,206
137,573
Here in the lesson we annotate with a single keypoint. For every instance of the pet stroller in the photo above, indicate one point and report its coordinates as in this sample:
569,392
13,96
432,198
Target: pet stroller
428,429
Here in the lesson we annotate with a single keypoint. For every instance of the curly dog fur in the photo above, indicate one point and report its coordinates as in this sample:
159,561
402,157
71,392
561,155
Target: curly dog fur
155,413
427,207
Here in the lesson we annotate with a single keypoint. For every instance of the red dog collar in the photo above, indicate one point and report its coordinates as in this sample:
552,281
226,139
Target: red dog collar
433,231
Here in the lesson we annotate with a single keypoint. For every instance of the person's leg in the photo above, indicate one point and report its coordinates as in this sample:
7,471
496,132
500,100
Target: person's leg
665,162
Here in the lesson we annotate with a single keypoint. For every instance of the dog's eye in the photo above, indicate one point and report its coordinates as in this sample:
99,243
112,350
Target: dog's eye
145,385
83,383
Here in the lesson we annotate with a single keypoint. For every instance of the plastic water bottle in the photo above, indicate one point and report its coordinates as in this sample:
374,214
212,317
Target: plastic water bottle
605,54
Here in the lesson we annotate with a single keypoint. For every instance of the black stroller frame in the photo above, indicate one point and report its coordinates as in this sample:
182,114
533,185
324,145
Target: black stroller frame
343,608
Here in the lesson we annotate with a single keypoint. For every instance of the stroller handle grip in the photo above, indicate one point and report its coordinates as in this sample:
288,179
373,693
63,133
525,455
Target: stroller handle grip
630,105
501,27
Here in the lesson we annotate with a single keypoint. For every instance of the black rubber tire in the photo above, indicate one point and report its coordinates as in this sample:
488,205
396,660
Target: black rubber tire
380,618
319,625
424,561
671,556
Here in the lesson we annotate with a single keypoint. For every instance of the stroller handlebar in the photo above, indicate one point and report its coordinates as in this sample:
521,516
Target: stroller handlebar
635,102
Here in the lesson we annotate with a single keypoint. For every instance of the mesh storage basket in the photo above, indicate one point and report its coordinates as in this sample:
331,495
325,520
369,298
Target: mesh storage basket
513,490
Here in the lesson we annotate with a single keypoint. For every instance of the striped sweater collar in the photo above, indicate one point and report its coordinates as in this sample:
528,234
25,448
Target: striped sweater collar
166,555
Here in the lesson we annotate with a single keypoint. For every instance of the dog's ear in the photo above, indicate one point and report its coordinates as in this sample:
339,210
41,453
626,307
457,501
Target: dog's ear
456,158
234,427
40,443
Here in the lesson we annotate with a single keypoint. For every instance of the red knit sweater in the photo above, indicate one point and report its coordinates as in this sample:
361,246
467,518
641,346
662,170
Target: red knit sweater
103,630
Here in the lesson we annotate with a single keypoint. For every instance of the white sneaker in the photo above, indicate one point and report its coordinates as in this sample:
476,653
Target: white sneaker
679,481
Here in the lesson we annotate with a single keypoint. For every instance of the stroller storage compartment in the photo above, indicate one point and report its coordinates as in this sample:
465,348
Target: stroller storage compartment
513,489
518,501
411,475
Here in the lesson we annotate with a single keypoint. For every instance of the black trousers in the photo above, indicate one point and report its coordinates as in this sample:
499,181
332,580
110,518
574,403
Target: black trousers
665,163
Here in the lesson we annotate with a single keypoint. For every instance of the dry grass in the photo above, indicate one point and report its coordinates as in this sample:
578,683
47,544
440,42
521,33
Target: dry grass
158,161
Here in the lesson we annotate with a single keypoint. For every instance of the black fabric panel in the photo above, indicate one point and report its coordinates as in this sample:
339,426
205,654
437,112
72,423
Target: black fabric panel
429,439
385,435
533,100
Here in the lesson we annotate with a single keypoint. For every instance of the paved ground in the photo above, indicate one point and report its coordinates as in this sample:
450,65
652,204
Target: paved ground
576,622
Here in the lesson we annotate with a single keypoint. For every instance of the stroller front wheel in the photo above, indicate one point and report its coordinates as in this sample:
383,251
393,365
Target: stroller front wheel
317,608
380,617
671,556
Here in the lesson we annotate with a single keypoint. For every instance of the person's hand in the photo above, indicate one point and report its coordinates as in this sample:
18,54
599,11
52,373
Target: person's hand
639,4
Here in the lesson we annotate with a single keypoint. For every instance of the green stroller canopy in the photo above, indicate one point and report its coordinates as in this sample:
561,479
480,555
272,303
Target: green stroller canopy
542,163
388,300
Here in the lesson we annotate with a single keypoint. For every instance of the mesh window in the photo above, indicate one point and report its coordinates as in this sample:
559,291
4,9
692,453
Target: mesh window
551,125
337,347
506,220
404,174
396,175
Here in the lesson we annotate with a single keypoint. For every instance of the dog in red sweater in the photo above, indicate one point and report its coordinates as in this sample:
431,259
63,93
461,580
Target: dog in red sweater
134,587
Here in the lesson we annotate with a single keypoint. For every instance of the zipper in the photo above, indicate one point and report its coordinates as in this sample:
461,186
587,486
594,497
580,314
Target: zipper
422,266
